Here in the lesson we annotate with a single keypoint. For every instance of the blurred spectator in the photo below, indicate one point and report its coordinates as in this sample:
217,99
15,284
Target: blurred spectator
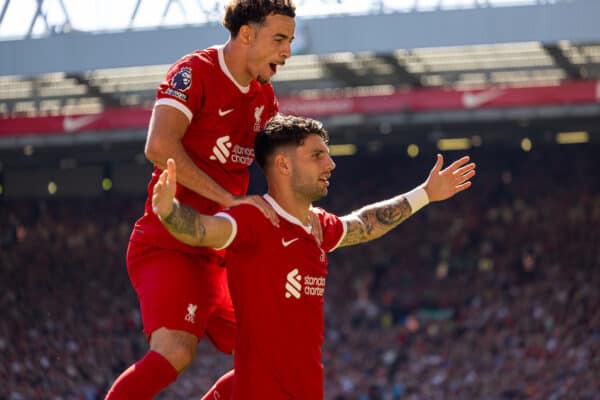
490,296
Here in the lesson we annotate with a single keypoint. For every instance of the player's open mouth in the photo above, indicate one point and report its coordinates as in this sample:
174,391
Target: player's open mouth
325,181
273,67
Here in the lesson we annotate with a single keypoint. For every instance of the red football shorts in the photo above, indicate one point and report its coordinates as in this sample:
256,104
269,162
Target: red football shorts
182,291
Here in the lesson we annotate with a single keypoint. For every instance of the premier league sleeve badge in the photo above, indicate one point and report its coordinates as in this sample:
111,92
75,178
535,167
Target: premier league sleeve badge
182,80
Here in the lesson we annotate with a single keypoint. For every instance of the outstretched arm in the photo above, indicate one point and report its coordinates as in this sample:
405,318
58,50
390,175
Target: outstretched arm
375,220
183,222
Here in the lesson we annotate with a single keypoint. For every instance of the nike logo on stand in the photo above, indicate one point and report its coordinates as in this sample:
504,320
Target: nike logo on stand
224,113
286,244
72,124
474,100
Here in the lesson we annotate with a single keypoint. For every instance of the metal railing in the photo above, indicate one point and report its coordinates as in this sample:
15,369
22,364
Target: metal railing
39,18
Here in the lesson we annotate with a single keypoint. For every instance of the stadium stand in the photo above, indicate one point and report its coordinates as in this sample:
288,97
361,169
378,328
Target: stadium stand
492,295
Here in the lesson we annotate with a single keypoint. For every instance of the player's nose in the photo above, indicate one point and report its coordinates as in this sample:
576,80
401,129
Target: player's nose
331,163
286,50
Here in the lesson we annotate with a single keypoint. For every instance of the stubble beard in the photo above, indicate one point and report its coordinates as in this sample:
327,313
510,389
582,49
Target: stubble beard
309,192
262,80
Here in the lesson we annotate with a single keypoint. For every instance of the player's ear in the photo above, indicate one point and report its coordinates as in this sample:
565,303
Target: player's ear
282,164
246,34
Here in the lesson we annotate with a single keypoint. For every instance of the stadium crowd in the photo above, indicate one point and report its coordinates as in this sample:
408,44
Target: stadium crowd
491,295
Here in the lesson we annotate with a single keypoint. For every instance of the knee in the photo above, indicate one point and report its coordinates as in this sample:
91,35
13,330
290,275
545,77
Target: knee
179,355
177,347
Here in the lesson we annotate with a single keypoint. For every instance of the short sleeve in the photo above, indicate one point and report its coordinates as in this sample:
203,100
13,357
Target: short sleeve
243,218
334,229
182,87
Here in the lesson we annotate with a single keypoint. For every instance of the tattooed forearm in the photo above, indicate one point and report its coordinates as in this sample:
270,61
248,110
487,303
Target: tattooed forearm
375,220
394,213
185,224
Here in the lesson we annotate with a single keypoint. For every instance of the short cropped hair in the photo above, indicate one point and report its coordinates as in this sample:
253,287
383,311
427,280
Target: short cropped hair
244,12
282,131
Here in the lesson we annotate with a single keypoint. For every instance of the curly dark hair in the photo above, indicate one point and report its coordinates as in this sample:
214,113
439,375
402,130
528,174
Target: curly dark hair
285,130
243,12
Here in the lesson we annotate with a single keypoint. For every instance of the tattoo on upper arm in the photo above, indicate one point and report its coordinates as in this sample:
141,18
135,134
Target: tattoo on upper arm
184,220
356,232
375,220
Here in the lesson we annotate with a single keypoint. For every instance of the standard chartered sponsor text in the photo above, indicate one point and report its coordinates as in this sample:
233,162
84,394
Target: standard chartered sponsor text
242,155
314,285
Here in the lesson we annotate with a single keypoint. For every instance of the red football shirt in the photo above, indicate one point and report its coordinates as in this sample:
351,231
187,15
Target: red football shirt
277,282
224,119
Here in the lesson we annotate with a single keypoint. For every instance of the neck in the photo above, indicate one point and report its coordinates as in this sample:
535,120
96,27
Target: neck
292,204
235,59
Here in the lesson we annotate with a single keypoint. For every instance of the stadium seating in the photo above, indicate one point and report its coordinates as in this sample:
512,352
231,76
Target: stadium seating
492,294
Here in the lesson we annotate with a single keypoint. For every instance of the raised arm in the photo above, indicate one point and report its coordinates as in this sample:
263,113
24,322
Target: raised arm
375,220
166,130
183,222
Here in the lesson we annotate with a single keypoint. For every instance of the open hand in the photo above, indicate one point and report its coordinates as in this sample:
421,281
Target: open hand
443,184
164,191
260,203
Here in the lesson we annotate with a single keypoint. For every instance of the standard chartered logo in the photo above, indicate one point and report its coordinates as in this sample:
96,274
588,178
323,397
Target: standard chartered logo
310,286
239,154
221,149
293,287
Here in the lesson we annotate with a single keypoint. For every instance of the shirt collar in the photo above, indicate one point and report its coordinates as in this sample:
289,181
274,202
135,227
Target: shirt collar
223,65
287,216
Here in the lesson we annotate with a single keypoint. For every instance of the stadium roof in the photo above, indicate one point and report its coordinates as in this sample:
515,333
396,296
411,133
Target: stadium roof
459,67
532,44
39,18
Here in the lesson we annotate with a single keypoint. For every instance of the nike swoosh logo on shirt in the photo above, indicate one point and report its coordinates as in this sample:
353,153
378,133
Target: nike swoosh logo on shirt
224,113
286,244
